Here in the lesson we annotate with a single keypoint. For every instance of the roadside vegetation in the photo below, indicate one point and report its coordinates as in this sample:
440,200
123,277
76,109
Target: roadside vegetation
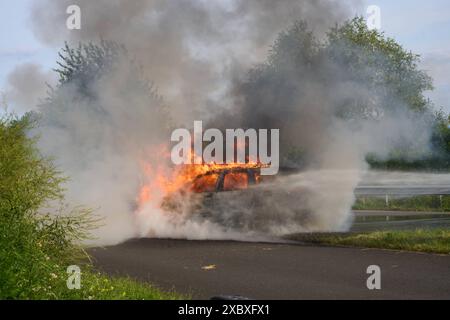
419,240
37,246
437,160
367,57
433,203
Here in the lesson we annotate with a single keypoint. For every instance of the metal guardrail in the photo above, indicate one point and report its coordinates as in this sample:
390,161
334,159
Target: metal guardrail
401,190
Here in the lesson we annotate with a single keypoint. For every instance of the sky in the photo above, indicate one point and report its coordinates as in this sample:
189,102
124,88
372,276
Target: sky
17,42
420,26
424,28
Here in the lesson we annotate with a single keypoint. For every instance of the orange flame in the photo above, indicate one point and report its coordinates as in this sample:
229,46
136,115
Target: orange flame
164,181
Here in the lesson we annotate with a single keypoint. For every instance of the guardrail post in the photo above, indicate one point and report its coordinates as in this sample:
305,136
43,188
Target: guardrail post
387,200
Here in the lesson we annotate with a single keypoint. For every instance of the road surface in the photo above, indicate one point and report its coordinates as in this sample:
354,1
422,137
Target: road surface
400,183
276,271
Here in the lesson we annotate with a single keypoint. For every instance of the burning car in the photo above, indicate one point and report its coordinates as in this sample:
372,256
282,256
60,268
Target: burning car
226,179
237,197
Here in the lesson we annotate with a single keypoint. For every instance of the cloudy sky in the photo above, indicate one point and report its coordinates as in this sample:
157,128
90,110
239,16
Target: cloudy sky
420,26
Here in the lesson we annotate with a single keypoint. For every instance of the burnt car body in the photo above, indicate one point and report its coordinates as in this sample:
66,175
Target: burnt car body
247,176
238,198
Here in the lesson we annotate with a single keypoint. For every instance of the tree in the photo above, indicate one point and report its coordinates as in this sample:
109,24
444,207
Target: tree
351,53
441,135
81,68
102,90
352,74
380,62
87,62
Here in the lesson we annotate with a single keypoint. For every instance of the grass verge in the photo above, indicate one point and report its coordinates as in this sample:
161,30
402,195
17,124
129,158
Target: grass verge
97,286
420,240
433,203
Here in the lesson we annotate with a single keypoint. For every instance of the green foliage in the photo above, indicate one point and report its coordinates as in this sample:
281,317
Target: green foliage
26,179
352,53
441,135
31,241
382,62
433,162
98,286
399,82
36,247
438,159
363,73
417,203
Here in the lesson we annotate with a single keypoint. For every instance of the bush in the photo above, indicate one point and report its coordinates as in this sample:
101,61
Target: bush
32,242
36,246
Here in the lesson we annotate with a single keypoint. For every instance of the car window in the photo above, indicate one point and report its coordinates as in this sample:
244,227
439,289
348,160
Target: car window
206,183
235,181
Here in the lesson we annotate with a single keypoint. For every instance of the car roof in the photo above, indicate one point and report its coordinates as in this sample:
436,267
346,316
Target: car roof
229,170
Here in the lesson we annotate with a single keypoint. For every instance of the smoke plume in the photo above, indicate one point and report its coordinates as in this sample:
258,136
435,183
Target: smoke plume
190,49
26,84
197,54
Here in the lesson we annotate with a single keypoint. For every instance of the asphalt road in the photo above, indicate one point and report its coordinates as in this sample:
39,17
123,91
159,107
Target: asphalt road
276,271
399,183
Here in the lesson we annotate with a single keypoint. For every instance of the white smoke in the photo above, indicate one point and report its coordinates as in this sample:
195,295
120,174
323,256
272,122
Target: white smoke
197,52
26,84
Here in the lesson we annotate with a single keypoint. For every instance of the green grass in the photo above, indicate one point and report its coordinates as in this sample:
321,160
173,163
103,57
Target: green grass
98,286
34,270
420,240
418,203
